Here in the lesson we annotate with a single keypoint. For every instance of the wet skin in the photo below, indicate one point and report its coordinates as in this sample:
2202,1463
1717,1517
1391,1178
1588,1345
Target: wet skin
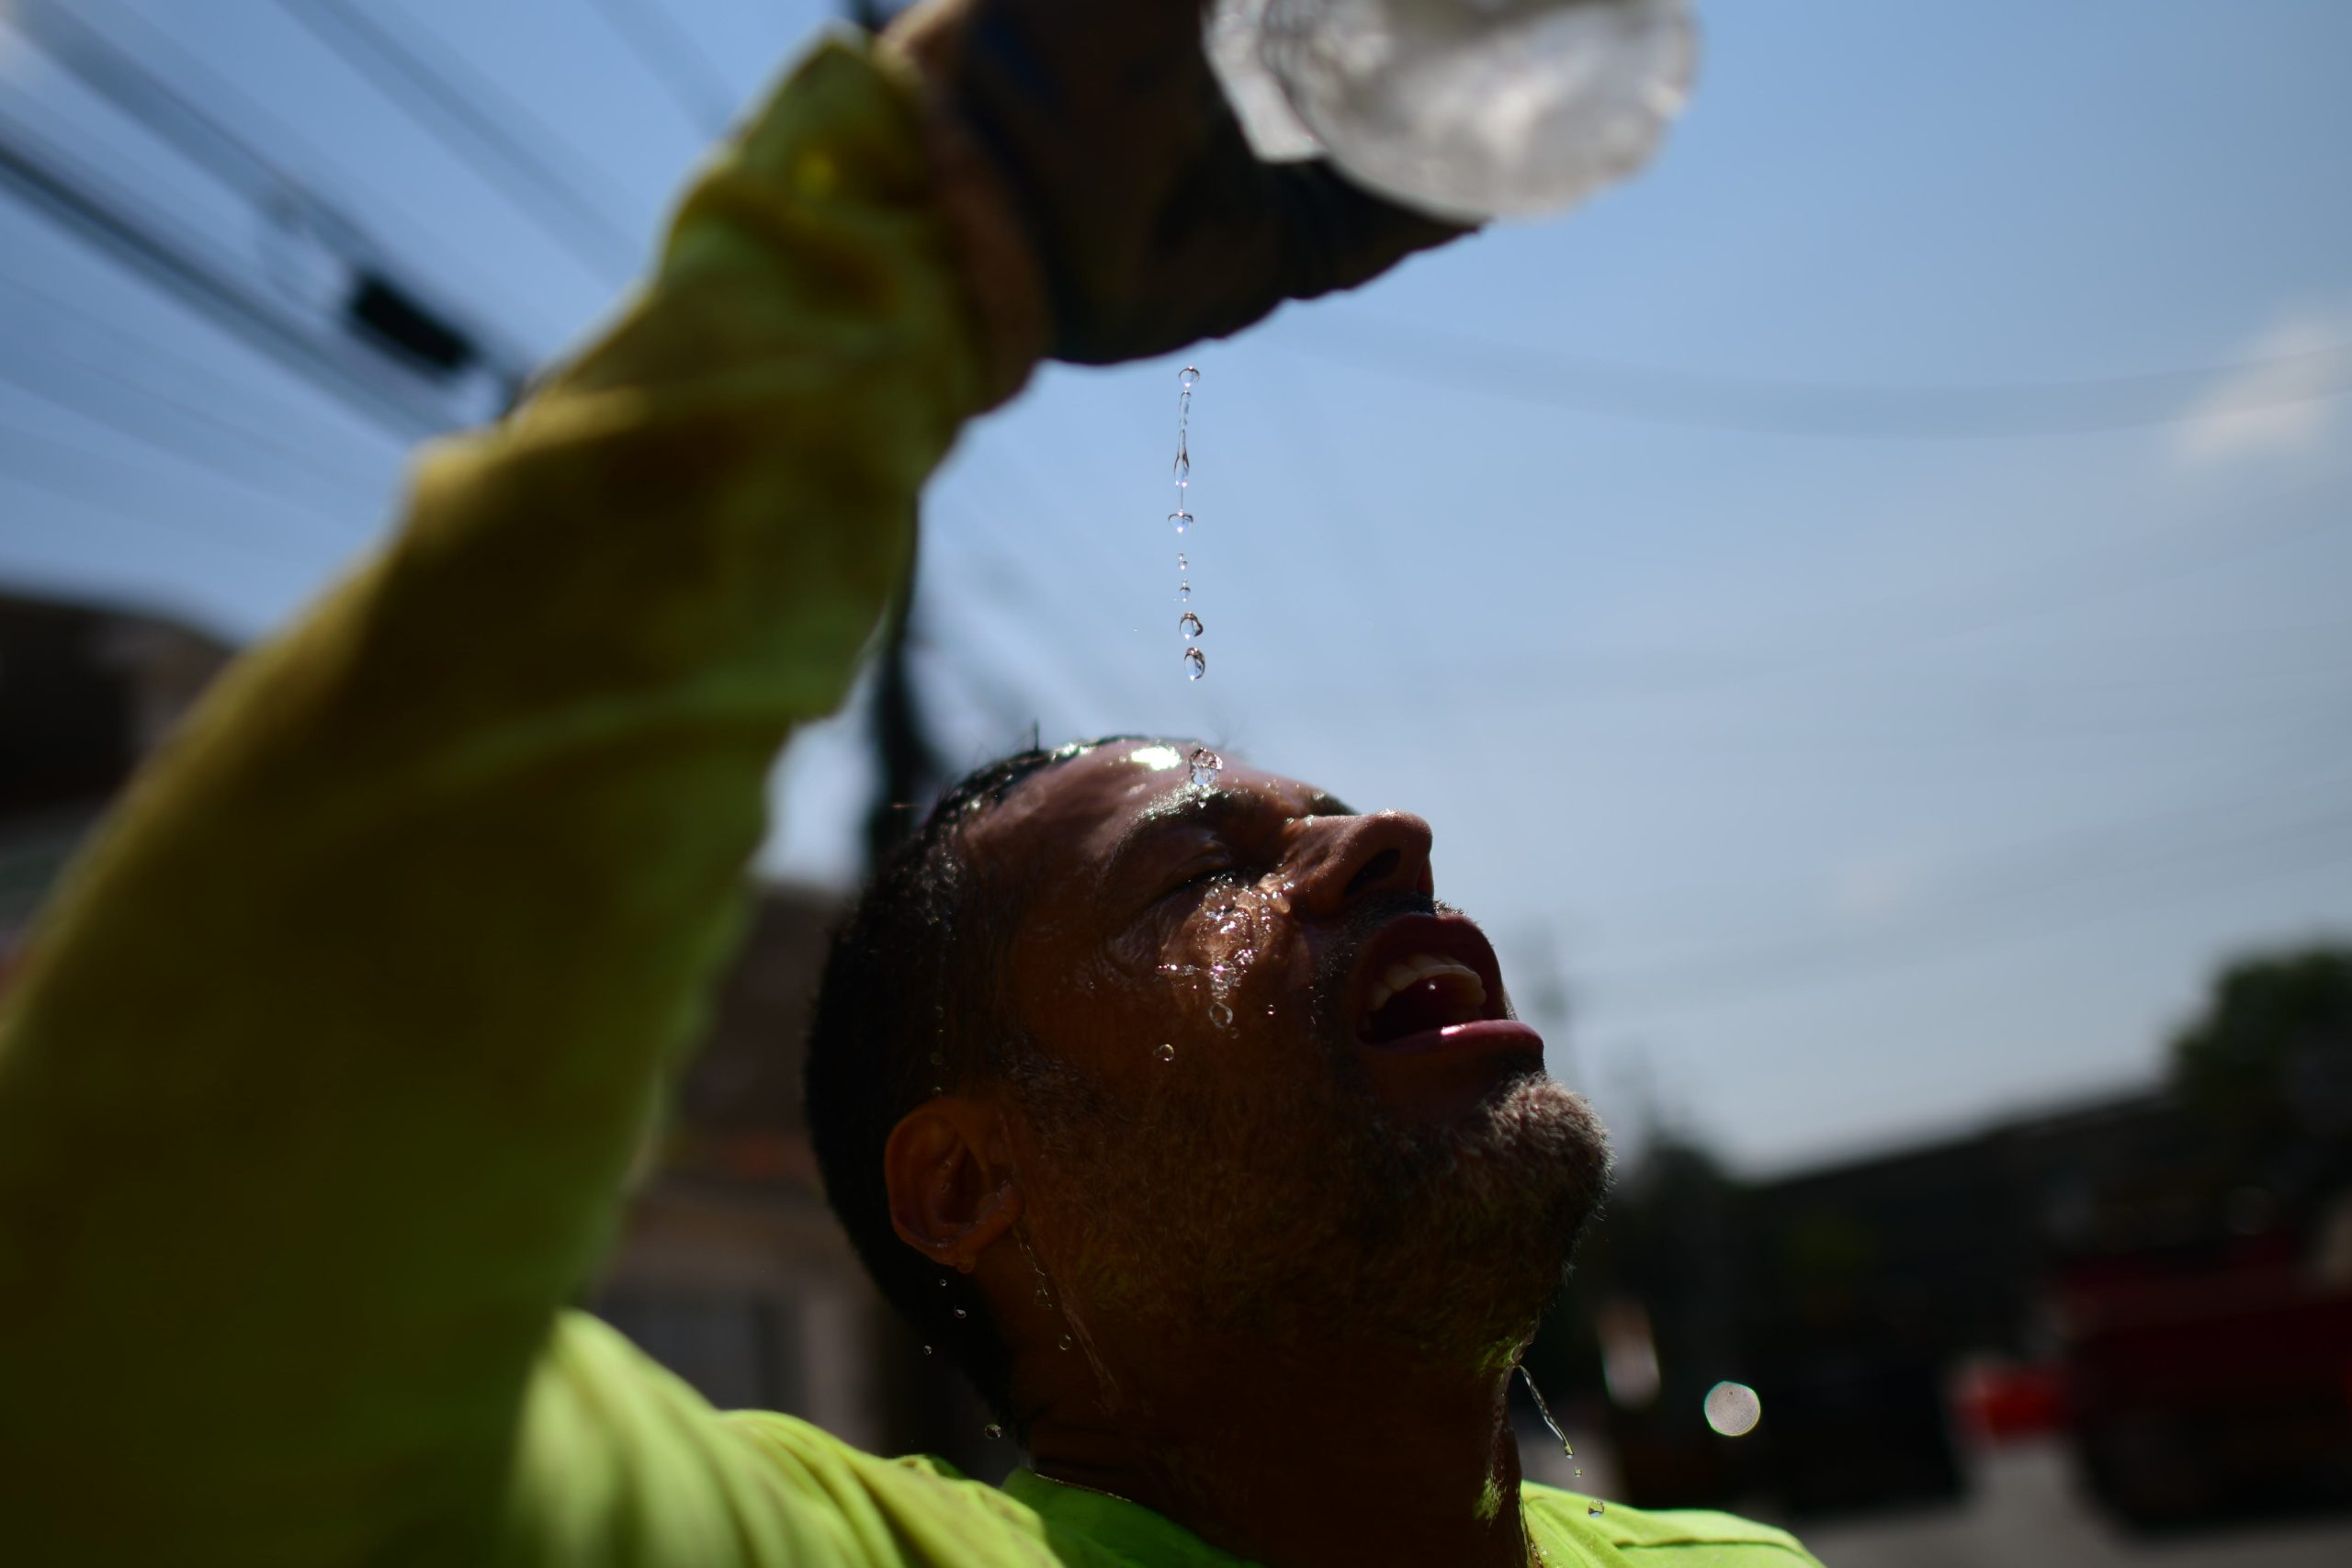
1247,923
1140,883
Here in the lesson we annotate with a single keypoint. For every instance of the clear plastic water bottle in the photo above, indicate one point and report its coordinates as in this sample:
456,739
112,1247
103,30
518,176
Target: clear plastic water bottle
1466,109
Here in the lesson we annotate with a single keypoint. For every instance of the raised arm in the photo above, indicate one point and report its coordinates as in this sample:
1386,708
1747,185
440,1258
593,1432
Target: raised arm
323,1071
318,1085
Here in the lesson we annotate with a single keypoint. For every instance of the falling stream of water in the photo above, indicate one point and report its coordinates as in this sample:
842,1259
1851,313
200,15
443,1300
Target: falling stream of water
1593,1506
1204,762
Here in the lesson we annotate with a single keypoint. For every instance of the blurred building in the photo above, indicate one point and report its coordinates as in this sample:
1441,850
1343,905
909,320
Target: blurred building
85,691
2137,1278
730,1268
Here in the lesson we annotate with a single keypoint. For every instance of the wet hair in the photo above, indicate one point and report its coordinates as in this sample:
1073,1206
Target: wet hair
912,1001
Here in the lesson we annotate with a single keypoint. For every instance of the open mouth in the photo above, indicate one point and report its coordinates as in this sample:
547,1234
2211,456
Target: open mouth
1422,975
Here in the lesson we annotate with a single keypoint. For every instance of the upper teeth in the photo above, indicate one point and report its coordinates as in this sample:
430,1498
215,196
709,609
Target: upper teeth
1419,968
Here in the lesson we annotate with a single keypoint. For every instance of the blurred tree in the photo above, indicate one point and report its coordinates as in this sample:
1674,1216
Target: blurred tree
2272,1052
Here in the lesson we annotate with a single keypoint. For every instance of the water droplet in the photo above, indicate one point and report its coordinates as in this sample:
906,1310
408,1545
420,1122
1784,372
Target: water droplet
1183,565
1580,1470
1221,1015
1206,765
1179,521
1594,1508
926,1350
1183,592
1044,1297
1190,625
1166,1052
1068,1342
1196,663
943,1282
961,1314
1184,466
1189,377
991,1431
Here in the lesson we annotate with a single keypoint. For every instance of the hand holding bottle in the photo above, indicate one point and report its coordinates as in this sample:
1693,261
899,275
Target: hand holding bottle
1153,222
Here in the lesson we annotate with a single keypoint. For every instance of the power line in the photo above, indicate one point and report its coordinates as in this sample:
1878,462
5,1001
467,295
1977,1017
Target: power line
1986,605
111,220
38,460
663,46
292,205
2029,875
145,351
2307,848
447,103
1887,411
195,454
285,451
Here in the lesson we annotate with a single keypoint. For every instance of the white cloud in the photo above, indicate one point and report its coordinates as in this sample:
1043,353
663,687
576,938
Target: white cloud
2278,402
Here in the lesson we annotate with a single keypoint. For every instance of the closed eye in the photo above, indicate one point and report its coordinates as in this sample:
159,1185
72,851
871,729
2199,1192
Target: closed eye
1208,876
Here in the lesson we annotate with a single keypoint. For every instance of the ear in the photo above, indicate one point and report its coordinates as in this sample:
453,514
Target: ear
952,1194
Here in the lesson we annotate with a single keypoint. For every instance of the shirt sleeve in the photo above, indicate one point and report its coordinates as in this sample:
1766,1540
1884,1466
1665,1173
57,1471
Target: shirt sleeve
319,1080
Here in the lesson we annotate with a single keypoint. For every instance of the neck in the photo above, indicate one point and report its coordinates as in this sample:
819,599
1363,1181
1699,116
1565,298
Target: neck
1266,1453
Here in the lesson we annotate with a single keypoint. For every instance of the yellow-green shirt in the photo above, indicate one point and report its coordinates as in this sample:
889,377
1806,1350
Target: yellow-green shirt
320,1079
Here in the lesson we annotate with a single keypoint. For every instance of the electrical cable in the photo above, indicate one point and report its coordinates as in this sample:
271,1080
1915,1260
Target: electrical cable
191,130
447,105
663,46
197,455
110,221
148,353
24,452
348,484
2024,875
1988,605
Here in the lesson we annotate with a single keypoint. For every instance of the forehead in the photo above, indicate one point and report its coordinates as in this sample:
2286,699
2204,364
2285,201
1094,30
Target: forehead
1074,814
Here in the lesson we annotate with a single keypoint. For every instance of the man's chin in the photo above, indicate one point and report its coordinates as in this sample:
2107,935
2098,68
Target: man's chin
1503,1196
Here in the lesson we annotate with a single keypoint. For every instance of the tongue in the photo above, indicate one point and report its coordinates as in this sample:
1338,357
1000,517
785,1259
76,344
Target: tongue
1426,1004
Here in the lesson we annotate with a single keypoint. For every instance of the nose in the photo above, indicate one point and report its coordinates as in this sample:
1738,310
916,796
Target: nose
1350,857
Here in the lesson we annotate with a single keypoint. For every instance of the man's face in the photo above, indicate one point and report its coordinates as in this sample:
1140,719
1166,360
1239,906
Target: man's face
1269,1082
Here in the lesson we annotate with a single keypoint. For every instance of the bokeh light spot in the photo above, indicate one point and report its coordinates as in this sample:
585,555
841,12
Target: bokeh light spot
1733,1409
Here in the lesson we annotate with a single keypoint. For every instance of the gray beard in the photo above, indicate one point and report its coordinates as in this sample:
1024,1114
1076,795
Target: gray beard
1311,1216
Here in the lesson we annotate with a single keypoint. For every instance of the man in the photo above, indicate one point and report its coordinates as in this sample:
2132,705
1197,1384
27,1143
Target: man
1207,1131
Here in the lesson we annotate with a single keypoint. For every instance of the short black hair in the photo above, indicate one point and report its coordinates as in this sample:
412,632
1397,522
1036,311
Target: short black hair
912,1003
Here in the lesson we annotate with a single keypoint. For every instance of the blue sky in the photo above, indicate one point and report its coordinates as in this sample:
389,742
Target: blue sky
1863,606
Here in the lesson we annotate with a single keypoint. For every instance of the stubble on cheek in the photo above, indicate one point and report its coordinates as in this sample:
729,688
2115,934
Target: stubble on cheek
1252,1180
